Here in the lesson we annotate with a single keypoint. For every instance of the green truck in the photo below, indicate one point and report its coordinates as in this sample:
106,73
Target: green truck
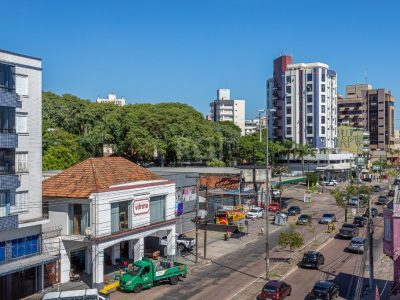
146,272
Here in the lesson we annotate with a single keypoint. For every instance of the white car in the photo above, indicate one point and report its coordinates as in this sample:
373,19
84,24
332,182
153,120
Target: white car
330,183
255,213
276,192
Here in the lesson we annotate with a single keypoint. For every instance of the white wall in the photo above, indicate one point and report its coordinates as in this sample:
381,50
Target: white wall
58,216
239,112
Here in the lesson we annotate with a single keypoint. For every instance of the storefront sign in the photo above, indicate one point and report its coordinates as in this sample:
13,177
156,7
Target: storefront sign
141,206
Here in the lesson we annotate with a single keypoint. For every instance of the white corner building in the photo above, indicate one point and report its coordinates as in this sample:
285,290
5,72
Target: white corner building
112,98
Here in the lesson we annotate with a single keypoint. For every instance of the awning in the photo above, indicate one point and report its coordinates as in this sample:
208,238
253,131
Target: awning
288,181
25,263
335,167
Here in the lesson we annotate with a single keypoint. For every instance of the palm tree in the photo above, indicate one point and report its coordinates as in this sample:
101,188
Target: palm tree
288,149
304,150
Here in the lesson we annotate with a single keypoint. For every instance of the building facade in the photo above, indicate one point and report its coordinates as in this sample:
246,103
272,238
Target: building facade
304,101
112,98
371,110
108,208
226,109
352,139
24,263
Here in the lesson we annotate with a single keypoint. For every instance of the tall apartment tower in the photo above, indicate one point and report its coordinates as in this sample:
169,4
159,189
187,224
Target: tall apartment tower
370,109
226,109
305,101
23,262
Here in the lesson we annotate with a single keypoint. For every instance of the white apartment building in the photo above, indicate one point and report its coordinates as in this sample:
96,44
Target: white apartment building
226,109
309,107
108,208
112,98
25,267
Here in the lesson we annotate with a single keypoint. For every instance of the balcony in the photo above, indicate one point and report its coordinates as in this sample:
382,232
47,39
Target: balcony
8,140
9,99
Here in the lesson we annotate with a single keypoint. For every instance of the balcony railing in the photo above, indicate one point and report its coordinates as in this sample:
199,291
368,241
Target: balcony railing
10,99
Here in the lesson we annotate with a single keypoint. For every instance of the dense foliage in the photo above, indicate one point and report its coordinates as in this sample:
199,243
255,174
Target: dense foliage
168,133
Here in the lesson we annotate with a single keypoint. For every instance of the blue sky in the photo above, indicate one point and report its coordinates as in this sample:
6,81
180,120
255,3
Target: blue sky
181,50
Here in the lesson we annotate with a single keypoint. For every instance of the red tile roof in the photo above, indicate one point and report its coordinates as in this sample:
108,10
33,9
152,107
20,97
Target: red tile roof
93,175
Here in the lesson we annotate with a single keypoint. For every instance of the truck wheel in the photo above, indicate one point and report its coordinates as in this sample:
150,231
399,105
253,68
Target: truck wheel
138,288
173,280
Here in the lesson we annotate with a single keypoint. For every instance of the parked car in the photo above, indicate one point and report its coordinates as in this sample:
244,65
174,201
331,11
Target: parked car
382,200
274,206
294,210
354,201
275,289
304,219
357,245
391,193
327,218
284,204
377,188
324,289
396,181
285,214
276,192
183,243
367,179
312,259
255,213
374,212
359,221
357,181
348,231
330,183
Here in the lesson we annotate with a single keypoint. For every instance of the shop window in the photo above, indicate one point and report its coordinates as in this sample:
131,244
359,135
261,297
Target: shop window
25,246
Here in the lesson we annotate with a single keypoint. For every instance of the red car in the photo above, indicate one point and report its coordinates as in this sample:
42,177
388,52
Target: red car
276,290
274,206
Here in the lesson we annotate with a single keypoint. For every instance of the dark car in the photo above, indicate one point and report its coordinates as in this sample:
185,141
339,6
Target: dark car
391,193
304,219
382,200
294,210
275,289
324,289
374,212
396,182
312,259
348,231
377,188
359,221
367,179
283,204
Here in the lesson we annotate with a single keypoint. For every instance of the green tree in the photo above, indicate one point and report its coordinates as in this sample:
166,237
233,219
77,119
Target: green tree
59,158
288,149
291,239
303,150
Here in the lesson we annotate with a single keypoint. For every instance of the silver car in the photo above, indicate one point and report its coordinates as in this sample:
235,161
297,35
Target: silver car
327,218
357,245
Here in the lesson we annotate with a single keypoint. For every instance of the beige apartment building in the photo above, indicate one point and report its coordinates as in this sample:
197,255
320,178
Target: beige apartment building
370,109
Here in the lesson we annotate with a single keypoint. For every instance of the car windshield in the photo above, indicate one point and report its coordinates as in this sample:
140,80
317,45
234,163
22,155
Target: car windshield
320,289
270,289
347,226
357,242
359,218
354,199
327,215
253,210
309,255
293,208
134,271
303,217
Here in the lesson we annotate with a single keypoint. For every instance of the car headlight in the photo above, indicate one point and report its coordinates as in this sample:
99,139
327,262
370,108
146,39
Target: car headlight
128,282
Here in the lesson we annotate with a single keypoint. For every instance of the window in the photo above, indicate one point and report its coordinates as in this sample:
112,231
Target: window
7,161
387,230
157,209
21,201
322,119
309,109
309,77
309,98
7,79
25,246
21,85
323,77
309,119
322,109
322,129
288,89
323,98
21,162
79,218
288,79
22,123
2,251
322,87
289,120
7,119
120,216
309,87
288,100
288,110
309,130
289,130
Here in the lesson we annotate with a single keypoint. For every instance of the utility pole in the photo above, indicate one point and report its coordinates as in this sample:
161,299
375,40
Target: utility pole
371,244
206,221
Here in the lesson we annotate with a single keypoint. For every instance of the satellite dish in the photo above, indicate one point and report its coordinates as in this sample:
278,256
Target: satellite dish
88,231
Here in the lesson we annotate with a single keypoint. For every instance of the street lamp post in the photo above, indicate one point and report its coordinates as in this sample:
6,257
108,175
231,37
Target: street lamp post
260,112
267,111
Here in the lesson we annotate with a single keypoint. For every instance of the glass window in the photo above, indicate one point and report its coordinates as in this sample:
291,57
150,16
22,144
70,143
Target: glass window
7,119
289,110
288,99
309,119
79,218
323,109
288,130
309,77
288,89
309,109
2,251
157,209
309,98
323,76
21,162
25,246
323,98
309,87
309,130
7,78
288,79
322,119
289,120
22,123
21,201
7,161
322,87
322,129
